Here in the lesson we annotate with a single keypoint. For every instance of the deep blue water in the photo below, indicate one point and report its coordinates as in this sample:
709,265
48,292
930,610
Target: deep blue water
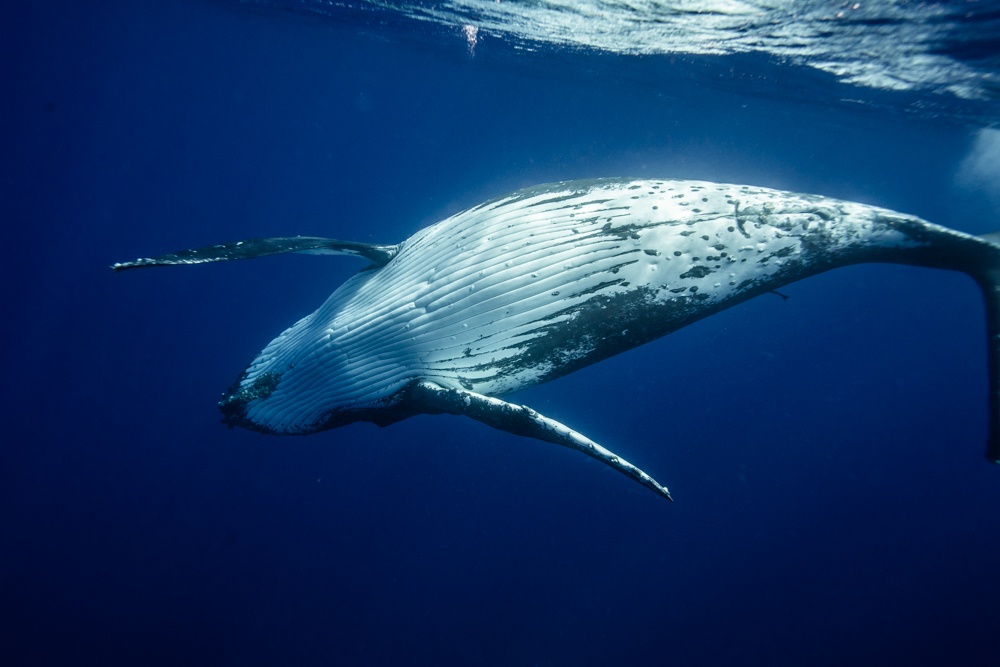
826,452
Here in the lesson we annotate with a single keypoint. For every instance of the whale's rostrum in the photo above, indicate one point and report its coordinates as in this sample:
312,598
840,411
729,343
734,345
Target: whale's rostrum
531,286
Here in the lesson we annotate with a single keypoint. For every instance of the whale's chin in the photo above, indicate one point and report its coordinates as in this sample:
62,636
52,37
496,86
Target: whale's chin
245,405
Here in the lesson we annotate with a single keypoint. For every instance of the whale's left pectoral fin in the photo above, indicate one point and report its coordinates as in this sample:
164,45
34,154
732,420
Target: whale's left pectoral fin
522,420
250,248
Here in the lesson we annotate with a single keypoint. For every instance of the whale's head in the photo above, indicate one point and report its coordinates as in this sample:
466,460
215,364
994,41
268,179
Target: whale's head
329,369
315,394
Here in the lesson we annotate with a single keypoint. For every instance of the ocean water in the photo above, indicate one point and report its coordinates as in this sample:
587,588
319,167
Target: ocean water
825,452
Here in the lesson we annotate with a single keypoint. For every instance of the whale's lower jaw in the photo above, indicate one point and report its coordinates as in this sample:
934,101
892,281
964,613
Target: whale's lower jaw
237,410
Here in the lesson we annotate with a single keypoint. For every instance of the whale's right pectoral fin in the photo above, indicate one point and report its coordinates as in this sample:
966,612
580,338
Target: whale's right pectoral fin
250,248
521,420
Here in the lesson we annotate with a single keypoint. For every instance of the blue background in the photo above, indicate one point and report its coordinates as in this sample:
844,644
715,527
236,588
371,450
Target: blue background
833,503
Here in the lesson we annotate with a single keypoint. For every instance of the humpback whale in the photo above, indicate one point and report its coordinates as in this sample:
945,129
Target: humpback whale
536,284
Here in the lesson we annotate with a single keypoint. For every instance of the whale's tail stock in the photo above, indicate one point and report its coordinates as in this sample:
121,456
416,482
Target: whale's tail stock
978,256
987,274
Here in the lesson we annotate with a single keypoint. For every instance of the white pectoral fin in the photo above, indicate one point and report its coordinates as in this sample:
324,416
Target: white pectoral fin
522,420
250,248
